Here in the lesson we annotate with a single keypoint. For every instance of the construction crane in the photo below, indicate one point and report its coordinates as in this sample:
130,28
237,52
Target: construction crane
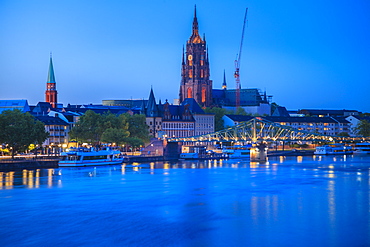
237,66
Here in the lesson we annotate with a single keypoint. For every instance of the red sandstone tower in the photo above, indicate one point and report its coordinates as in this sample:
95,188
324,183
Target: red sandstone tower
51,87
195,82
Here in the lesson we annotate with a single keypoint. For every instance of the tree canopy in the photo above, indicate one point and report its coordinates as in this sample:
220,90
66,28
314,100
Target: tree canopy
18,130
109,128
219,113
363,128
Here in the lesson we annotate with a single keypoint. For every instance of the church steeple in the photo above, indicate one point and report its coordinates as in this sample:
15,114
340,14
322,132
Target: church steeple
224,86
51,77
195,38
51,88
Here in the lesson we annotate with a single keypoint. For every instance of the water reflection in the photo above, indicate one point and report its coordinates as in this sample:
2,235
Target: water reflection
212,203
38,178
32,179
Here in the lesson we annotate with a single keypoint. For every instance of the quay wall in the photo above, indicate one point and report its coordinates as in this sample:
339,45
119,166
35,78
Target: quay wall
6,165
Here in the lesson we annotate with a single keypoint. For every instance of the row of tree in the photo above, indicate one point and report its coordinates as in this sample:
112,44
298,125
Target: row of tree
109,128
19,130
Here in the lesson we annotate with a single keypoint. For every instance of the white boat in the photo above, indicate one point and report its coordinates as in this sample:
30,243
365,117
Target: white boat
86,157
362,148
237,151
333,149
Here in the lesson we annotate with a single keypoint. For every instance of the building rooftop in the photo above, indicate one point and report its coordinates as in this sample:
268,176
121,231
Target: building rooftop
21,105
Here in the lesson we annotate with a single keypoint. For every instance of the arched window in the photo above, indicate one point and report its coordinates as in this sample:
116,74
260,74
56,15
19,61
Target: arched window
190,73
203,94
189,93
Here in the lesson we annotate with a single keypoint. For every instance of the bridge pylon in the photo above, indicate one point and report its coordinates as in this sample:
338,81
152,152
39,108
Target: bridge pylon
258,152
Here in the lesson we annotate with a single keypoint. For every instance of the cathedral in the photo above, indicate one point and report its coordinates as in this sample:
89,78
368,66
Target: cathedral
196,83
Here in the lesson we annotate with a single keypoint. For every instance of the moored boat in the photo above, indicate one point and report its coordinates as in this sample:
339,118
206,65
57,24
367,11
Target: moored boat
362,148
333,149
88,157
237,151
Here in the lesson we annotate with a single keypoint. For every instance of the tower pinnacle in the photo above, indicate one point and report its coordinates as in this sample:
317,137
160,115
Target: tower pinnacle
195,21
224,86
195,38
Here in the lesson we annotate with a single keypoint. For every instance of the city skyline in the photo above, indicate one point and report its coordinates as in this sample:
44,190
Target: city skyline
307,55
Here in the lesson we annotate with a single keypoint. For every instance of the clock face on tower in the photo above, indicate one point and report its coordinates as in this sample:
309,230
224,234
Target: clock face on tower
190,57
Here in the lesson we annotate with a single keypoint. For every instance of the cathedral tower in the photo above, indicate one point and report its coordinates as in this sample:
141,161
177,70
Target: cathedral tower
51,86
195,82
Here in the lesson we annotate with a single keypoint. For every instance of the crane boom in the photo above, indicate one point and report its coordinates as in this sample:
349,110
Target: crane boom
237,65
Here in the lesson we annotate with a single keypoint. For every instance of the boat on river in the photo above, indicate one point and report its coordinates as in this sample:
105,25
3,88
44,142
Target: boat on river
333,149
362,148
237,151
90,157
199,152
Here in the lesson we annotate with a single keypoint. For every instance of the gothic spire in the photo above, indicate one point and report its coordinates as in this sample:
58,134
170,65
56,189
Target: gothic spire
195,38
224,86
195,22
183,55
51,77
151,107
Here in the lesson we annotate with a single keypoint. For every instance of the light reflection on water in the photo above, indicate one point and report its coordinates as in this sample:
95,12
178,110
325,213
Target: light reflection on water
287,201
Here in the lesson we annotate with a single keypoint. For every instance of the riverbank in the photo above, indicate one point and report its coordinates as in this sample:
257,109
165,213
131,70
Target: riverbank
291,153
23,163
20,163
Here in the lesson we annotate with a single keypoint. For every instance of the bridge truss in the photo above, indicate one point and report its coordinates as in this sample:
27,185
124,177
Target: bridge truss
260,130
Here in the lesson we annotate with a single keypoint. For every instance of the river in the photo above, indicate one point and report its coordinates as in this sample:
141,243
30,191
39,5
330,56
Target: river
288,201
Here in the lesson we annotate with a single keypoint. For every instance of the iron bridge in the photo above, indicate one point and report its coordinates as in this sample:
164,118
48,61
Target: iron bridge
260,130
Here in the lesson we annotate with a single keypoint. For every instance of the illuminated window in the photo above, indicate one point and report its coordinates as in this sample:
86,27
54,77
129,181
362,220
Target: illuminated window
201,62
190,73
189,93
203,94
201,73
190,59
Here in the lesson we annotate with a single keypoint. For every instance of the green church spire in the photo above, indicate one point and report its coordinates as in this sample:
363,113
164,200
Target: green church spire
51,77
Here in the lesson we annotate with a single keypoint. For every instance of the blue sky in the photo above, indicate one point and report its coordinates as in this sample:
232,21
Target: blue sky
307,54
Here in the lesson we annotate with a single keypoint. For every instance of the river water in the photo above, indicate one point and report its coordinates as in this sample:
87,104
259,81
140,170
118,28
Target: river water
288,201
